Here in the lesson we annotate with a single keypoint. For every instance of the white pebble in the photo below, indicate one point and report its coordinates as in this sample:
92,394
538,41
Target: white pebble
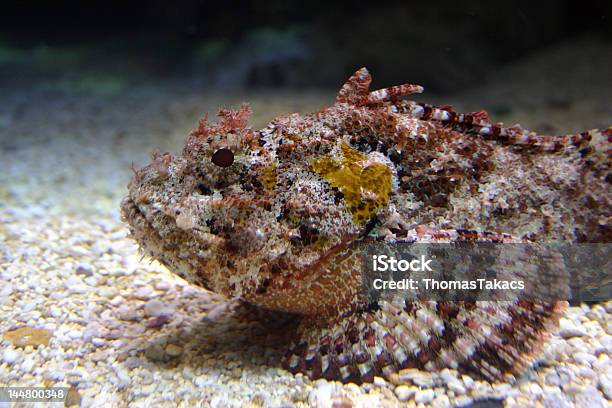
55,375
424,396
463,401
97,341
78,288
502,389
10,356
379,382
75,334
456,386
108,292
117,300
404,393
322,394
448,376
605,383
143,293
468,381
602,363
162,285
156,308
28,307
441,402
6,290
123,376
128,313
147,389
532,389
590,397
55,311
554,398
586,372
567,329
27,365
582,357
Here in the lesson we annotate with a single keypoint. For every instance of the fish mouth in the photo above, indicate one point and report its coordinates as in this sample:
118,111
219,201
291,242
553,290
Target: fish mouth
170,245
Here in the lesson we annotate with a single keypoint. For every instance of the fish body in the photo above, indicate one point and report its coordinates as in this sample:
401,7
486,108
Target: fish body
280,217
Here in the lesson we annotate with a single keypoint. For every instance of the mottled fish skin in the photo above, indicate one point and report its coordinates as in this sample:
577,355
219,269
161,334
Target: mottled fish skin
278,218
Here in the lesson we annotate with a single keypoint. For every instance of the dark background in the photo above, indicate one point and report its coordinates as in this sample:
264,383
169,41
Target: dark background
445,45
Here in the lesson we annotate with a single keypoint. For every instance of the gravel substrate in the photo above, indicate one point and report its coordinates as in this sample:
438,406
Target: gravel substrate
81,309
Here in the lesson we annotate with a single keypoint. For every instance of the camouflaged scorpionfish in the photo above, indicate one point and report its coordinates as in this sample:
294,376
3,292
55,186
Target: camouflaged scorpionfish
277,217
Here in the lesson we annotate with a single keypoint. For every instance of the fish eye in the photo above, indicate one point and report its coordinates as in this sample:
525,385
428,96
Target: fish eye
223,157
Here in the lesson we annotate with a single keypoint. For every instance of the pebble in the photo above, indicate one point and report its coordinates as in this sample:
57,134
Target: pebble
404,393
6,290
116,301
441,401
203,381
155,352
143,293
468,381
447,375
78,289
128,313
84,270
554,398
55,311
379,382
27,365
568,329
590,397
108,292
456,386
132,362
463,401
532,389
338,402
28,307
97,341
322,394
502,389
75,334
606,342
559,377
586,372
173,350
605,383
10,356
424,396
123,376
584,358
162,285
156,308
421,378
147,389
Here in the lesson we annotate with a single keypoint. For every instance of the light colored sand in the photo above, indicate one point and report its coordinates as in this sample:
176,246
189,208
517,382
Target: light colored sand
66,266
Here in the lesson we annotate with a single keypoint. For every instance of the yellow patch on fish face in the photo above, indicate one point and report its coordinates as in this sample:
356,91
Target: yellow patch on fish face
366,186
268,177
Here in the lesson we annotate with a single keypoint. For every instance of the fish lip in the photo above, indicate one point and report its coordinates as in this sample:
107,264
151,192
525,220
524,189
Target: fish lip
152,244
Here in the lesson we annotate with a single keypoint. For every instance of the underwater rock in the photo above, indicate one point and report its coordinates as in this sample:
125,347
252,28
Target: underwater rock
567,329
28,336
